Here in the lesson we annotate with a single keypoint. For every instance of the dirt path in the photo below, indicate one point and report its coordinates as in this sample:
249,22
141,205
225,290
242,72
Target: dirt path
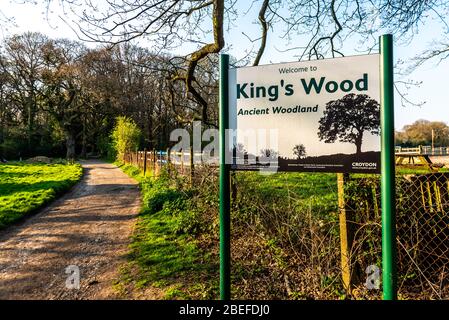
89,228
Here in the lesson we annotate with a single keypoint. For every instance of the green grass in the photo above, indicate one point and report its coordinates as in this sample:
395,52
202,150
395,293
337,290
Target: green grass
418,170
301,184
308,185
166,257
24,187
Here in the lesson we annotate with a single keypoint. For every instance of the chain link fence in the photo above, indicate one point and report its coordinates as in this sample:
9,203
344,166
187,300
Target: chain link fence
422,206
307,228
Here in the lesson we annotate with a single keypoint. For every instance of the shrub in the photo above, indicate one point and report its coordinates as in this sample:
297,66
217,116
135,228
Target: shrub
106,147
125,136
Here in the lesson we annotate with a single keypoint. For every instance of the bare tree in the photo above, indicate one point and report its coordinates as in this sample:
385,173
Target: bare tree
188,23
26,62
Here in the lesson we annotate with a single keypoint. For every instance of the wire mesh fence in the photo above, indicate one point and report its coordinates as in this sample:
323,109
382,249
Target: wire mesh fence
422,205
310,231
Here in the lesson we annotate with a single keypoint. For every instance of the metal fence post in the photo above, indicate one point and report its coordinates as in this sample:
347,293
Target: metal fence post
389,277
225,220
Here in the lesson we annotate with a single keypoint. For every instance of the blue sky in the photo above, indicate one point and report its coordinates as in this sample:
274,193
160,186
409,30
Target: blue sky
433,90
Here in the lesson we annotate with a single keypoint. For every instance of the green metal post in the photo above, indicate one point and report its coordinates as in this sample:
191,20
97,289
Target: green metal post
387,169
225,219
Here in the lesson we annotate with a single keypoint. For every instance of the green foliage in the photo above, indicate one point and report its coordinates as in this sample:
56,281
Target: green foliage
125,136
189,220
26,187
106,148
157,195
175,293
13,144
162,247
11,148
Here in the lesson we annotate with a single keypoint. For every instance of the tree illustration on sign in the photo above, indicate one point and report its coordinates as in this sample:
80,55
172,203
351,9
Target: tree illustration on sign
348,118
299,151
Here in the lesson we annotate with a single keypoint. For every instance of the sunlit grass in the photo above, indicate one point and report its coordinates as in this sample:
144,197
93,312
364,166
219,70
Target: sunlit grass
162,252
25,187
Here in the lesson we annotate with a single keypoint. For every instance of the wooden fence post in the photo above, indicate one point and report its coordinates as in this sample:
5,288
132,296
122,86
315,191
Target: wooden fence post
168,161
140,160
154,162
144,162
192,168
182,162
345,234
160,162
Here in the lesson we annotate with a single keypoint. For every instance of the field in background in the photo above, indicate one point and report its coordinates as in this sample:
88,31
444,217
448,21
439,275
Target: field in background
26,187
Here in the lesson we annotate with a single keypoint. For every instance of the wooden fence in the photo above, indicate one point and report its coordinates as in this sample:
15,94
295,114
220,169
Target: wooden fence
152,162
423,150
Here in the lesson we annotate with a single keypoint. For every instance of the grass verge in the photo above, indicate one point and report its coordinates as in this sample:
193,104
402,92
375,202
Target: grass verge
25,187
164,252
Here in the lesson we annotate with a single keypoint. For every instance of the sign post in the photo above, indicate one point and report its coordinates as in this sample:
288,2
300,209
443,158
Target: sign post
225,219
317,116
387,169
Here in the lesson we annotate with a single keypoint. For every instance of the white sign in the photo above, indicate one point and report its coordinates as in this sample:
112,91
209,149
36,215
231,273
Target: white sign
321,115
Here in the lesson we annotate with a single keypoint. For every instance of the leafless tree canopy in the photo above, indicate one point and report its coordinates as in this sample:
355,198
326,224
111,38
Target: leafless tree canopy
175,79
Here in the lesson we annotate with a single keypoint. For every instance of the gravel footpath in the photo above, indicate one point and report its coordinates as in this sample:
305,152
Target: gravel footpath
88,229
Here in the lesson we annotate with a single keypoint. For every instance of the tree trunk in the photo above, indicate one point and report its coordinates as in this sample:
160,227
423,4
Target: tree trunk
84,141
70,144
2,126
150,127
30,123
358,143
1,138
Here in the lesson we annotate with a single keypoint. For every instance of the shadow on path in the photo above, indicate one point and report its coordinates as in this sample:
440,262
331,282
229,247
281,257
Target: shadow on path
89,227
